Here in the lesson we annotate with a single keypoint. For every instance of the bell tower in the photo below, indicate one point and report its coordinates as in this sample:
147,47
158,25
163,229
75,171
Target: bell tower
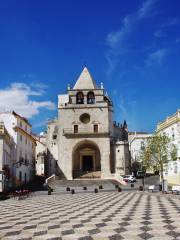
85,127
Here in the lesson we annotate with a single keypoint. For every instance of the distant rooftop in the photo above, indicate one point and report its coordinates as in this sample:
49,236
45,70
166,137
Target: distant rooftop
169,121
134,132
19,116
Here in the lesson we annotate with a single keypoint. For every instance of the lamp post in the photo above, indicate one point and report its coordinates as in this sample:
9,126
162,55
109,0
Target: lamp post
143,179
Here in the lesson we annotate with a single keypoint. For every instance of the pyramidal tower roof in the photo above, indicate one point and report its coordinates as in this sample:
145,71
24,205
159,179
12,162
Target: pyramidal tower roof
85,81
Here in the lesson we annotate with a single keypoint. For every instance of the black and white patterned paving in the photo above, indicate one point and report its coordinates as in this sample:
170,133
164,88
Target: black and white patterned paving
85,216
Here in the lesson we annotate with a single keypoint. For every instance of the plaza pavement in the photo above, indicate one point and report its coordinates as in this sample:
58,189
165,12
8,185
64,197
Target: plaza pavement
88,215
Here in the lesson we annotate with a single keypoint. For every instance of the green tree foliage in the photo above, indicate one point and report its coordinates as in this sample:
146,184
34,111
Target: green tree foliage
158,151
136,166
174,152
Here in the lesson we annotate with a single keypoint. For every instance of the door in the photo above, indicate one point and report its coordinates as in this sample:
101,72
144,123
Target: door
87,163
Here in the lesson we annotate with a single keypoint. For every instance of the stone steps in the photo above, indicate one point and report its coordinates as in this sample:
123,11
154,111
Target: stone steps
59,186
91,175
80,182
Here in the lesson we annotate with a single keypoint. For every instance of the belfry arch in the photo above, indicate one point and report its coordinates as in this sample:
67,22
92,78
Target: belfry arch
86,158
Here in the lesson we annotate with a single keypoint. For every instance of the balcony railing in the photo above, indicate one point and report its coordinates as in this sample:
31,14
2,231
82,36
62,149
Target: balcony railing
85,131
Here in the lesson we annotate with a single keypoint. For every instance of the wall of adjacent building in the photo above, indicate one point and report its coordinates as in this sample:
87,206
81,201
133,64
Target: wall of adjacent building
6,160
40,158
136,142
172,172
52,146
122,158
173,132
1,164
171,127
10,122
24,154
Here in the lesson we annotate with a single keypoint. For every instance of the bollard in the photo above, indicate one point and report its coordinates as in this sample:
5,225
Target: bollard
84,188
100,187
140,188
68,189
132,185
72,191
96,190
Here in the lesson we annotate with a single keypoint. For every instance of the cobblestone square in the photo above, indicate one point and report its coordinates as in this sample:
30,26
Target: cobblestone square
85,216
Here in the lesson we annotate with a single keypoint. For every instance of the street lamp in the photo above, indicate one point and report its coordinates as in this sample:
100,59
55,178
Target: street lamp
143,179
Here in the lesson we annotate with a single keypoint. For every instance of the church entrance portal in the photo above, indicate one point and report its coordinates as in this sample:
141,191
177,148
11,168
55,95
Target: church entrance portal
86,159
87,164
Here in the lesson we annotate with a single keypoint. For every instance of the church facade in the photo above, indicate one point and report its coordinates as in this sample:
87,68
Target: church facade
89,142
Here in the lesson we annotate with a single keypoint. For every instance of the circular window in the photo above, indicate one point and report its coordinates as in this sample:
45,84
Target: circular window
85,118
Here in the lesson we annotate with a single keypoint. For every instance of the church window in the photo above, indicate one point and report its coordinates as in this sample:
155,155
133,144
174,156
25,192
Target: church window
85,118
75,128
95,128
54,136
79,98
90,98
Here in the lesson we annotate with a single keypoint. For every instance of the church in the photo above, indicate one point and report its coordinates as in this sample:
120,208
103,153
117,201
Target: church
89,142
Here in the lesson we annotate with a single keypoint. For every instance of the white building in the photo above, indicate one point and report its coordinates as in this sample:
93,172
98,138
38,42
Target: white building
41,156
52,148
172,172
20,129
171,127
84,139
137,140
7,148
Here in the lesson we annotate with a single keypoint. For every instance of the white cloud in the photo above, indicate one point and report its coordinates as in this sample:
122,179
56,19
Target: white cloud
126,111
146,8
40,124
116,41
177,40
39,85
156,57
159,34
123,108
171,22
17,97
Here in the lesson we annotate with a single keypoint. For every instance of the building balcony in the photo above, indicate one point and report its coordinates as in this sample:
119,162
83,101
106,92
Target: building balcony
80,132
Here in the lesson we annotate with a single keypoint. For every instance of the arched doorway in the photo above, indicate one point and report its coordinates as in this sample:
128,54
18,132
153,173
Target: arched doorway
86,158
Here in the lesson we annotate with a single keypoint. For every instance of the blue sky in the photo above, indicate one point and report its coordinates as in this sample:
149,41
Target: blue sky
133,47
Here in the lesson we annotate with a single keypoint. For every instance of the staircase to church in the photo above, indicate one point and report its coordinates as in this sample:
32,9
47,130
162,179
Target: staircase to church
59,186
91,175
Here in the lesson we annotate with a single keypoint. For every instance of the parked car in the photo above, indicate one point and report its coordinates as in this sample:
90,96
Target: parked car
129,178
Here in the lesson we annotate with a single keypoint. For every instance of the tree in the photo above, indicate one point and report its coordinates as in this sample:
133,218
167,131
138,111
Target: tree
136,166
145,156
158,151
174,152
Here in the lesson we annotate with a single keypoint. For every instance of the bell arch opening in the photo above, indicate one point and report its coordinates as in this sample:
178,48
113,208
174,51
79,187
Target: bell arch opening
86,158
